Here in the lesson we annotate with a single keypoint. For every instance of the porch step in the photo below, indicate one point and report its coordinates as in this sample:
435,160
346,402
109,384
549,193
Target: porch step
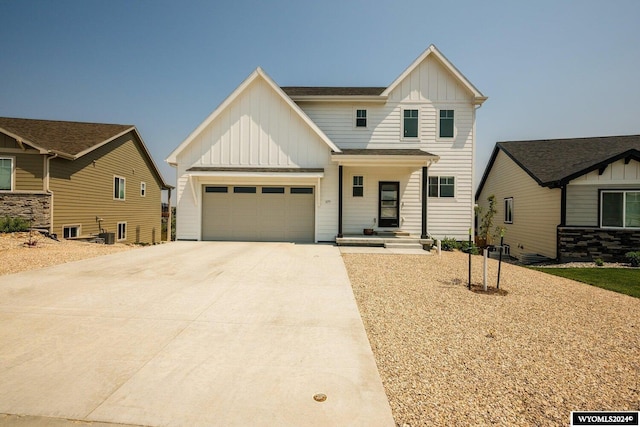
395,233
402,245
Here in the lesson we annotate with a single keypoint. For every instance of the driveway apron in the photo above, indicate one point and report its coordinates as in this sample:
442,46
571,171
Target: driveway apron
190,333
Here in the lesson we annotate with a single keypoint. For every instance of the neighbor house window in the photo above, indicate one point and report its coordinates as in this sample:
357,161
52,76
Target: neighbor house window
358,186
70,231
143,189
361,118
118,188
620,209
122,231
508,210
410,124
446,123
6,174
441,186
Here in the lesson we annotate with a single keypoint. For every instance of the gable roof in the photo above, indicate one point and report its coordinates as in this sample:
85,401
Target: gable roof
433,51
258,73
554,162
69,140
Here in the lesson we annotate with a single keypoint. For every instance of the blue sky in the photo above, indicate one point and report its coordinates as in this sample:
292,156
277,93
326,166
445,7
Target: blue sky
551,69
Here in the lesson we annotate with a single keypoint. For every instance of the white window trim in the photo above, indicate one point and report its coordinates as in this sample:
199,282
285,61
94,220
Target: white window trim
113,190
402,110
13,173
355,118
455,187
143,189
506,200
455,128
118,231
353,186
624,210
78,226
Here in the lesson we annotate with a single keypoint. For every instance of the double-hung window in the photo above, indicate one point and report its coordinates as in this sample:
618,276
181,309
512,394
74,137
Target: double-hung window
361,118
446,124
410,123
441,186
6,174
118,188
143,189
619,208
358,186
508,210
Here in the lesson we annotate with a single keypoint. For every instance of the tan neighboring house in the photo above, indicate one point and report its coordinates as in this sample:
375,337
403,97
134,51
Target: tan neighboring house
567,199
80,179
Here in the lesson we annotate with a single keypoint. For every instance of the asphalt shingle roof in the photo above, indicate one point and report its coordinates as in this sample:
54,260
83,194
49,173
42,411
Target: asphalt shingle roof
70,138
332,91
553,162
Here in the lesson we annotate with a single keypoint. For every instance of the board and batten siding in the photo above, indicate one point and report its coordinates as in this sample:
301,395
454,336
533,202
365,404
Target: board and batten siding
258,129
583,192
429,88
536,209
83,189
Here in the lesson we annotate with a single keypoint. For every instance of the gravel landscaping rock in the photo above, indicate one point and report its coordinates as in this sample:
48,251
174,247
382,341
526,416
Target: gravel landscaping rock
16,255
448,356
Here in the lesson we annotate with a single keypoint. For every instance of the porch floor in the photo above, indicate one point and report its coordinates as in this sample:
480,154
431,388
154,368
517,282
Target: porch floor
386,240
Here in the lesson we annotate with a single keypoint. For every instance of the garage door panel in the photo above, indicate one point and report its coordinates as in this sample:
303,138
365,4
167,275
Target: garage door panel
275,213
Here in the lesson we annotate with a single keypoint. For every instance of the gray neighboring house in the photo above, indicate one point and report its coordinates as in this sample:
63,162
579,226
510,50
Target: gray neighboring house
567,199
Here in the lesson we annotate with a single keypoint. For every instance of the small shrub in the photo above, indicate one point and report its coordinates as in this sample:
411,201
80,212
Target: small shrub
633,258
464,247
449,244
13,225
599,262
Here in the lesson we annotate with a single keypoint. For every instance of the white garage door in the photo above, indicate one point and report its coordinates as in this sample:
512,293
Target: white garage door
258,213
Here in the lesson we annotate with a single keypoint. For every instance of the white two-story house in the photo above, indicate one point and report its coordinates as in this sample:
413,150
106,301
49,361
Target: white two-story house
312,164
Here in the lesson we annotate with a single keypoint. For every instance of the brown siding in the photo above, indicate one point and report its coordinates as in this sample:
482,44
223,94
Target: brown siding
83,190
29,164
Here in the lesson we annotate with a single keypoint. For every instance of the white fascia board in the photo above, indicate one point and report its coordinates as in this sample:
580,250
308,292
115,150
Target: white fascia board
258,72
346,160
235,175
479,98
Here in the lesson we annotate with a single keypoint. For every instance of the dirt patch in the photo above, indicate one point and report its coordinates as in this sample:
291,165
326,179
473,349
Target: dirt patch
16,254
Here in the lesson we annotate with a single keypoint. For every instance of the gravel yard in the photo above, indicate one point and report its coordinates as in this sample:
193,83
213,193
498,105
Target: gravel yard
448,356
16,256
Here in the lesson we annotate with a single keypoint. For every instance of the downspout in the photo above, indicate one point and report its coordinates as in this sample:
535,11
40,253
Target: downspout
47,188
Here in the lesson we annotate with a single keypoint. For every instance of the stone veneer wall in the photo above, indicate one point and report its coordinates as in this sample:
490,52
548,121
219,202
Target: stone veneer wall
25,205
587,244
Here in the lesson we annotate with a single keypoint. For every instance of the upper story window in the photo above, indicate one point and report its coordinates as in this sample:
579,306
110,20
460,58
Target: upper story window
143,189
410,124
6,174
508,210
620,209
118,188
358,186
442,186
446,124
361,118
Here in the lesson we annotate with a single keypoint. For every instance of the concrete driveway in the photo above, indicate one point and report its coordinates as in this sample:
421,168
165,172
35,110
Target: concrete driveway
189,333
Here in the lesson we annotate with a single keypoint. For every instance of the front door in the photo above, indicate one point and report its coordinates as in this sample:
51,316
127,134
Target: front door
389,204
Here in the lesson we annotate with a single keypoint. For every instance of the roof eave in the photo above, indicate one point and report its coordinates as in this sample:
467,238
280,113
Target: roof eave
340,98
